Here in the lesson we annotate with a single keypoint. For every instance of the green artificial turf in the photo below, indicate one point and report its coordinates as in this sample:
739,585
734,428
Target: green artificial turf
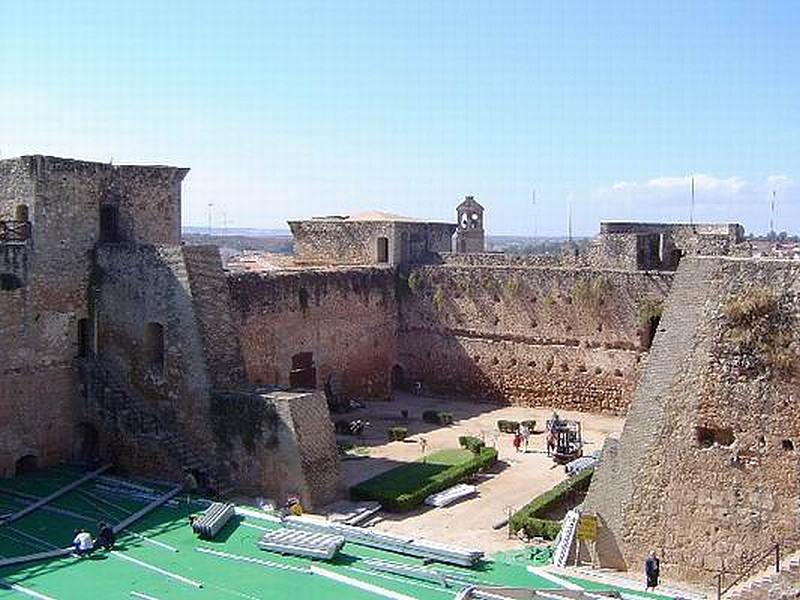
153,539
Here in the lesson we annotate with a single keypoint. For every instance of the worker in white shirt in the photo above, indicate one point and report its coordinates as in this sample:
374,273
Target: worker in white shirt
82,542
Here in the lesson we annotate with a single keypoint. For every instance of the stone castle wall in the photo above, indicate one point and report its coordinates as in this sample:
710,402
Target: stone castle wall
346,317
140,285
344,242
41,319
569,338
705,470
212,307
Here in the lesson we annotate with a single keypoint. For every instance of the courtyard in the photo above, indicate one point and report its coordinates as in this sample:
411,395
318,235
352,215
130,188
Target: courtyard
516,479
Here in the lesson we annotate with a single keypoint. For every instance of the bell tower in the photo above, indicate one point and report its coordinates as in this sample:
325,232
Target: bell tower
470,235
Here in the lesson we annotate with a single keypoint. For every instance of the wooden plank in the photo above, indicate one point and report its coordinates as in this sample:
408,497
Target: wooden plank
57,494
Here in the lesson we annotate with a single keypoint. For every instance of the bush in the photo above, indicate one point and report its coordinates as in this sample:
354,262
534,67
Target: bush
528,518
437,418
405,487
543,528
471,443
397,433
530,424
507,426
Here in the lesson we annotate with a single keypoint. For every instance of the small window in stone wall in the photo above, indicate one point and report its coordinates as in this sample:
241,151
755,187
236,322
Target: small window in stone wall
109,223
83,338
708,436
787,445
383,250
9,281
154,348
302,298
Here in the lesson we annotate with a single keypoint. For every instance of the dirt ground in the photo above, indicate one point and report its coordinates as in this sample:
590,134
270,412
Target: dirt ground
517,479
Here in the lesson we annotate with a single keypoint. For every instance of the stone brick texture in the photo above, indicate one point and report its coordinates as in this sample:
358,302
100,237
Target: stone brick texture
302,460
211,302
704,506
346,317
568,338
330,241
141,284
38,384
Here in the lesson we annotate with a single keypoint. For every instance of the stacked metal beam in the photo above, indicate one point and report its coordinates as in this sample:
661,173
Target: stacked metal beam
213,520
407,570
302,543
409,546
451,494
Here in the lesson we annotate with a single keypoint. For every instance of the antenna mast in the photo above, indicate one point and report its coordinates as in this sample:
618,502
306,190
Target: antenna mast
772,216
569,216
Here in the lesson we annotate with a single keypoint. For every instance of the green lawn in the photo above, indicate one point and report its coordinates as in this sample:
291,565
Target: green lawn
408,485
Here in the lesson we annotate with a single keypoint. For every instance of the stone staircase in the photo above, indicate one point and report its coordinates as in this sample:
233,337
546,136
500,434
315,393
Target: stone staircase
769,584
118,407
635,586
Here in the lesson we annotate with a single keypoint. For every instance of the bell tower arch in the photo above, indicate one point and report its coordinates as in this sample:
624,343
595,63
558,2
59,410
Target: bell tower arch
470,235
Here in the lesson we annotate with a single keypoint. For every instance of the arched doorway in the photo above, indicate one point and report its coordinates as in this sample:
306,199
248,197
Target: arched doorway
398,378
303,374
26,464
154,348
86,443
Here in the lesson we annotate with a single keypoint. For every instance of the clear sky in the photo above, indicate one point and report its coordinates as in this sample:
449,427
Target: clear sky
292,109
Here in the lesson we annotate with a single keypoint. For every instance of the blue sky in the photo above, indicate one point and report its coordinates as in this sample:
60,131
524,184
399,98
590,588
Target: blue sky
291,109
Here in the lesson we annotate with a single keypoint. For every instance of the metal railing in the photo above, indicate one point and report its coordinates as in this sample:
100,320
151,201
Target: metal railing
14,231
749,569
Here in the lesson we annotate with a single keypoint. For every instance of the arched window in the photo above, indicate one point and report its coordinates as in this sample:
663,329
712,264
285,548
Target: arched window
109,223
154,348
383,250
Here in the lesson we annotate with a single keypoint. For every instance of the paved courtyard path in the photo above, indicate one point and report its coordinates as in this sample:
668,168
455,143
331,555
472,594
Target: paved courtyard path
517,480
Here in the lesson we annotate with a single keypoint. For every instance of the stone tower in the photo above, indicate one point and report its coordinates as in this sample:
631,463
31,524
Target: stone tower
470,233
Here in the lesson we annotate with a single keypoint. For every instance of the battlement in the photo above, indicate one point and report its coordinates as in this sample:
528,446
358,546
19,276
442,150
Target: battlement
85,202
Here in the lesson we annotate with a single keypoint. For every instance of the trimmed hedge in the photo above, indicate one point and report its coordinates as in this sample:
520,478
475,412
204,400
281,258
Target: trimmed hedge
508,426
435,417
471,443
531,424
527,517
437,480
397,434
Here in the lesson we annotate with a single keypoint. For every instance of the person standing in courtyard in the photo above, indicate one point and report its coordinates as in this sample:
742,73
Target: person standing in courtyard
651,571
517,441
525,433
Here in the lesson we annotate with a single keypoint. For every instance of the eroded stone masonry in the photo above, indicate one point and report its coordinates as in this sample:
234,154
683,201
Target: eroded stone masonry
119,341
